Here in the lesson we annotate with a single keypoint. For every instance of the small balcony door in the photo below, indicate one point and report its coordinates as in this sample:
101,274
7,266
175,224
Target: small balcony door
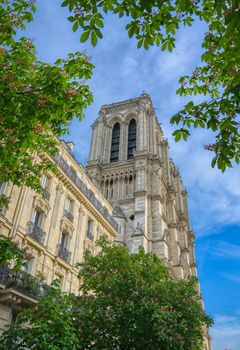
37,218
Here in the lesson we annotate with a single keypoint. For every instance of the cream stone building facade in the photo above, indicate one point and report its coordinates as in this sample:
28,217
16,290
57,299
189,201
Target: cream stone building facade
56,228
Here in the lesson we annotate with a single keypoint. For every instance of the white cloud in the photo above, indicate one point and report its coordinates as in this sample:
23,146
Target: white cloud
226,333
224,249
235,278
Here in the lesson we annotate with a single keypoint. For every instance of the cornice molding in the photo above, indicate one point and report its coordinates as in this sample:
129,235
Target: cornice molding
122,106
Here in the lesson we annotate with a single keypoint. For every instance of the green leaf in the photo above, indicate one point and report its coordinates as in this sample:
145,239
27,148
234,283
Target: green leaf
71,18
93,38
164,45
75,26
99,22
140,42
178,137
65,3
85,35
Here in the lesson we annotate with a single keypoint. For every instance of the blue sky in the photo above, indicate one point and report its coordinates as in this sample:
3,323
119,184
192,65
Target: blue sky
122,72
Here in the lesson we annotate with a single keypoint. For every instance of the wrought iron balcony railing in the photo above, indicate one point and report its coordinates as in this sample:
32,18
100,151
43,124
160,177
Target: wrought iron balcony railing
68,215
90,235
45,193
88,193
36,232
23,282
63,253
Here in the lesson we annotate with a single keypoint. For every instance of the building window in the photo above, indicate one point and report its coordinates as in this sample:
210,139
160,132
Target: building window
45,186
37,218
111,189
115,143
14,316
44,181
68,209
90,229
132,138
3,187
62,249
64,239
106,187
35,226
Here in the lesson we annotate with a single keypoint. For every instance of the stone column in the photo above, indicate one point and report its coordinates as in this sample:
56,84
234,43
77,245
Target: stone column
164,146
155,150
103,142
141,130
99,141
93,142
78,247
123,147
108,142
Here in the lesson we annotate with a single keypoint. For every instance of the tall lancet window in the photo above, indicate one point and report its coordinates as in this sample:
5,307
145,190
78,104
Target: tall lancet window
132,138
115,143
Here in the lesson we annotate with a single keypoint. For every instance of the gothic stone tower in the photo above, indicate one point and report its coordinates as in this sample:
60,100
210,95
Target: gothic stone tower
130,163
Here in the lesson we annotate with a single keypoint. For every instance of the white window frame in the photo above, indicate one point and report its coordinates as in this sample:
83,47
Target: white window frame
3,187
69,205
44,181
66,240
41,216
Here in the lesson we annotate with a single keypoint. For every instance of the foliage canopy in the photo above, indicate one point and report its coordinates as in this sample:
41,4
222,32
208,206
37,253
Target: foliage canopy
155,22
38,99
127,301
10,252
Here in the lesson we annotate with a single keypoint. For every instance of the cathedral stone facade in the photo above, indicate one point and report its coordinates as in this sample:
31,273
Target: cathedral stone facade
129,161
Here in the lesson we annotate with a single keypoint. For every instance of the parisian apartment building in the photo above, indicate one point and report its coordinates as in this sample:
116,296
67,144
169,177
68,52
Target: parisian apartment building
130,192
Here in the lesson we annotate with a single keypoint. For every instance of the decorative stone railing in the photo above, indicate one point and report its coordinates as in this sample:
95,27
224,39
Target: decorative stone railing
36,232
63,253
68,215
71,173
45,193
23,282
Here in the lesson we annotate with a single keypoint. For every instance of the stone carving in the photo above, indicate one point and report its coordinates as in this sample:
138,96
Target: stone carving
117,108
42,204
138,230
60,189
66,225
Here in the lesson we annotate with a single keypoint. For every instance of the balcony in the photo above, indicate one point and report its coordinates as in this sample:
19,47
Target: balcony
63,253
90,235
68,215
36,232
83,188
45,193
22,282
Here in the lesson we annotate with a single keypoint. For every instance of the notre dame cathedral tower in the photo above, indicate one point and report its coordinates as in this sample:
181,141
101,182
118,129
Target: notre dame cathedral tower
129,161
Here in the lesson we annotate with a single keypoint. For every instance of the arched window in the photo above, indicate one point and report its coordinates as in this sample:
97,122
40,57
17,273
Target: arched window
126,185
132,138
111,189
106,186
115,143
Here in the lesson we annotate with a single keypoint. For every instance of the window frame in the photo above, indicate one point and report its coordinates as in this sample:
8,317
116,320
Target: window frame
132,138
115,143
